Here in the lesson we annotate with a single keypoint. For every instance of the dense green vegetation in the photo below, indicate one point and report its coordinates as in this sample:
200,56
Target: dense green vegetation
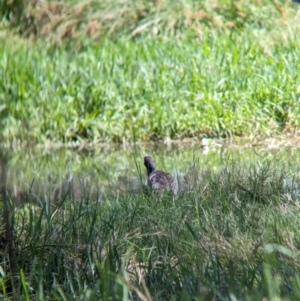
83,226
148,70
230,234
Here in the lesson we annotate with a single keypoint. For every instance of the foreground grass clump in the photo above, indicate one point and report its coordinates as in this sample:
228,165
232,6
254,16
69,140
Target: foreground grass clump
230,234
229,69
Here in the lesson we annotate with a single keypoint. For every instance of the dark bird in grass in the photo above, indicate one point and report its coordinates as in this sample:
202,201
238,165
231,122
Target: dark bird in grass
159,180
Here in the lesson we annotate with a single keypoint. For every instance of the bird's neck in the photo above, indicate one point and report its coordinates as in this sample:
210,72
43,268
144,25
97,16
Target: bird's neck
150,168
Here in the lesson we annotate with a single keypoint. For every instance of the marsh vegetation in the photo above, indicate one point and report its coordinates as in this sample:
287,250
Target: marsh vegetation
151,70
229,234
76,222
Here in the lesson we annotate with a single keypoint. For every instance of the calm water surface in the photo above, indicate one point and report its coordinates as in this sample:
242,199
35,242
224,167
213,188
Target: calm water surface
42,171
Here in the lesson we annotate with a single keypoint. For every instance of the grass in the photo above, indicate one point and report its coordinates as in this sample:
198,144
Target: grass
230,70
231,235
127,71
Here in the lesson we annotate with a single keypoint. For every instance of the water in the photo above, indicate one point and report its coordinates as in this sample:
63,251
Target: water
47,173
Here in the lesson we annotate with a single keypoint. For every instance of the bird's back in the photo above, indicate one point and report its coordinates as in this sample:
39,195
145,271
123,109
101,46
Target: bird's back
160,180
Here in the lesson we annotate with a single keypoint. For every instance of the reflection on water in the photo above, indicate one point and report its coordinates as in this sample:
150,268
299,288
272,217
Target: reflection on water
50,174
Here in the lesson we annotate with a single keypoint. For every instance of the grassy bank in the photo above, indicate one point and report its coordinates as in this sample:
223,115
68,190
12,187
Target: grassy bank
198,70
80,226
230,235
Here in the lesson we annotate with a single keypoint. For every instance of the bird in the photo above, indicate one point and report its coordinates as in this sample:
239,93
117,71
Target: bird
159,180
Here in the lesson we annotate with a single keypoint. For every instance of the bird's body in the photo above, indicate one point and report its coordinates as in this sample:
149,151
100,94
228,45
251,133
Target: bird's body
159,180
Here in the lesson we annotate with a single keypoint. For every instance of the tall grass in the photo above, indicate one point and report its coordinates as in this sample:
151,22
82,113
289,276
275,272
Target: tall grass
76,19
119,71
231,235
150,90
229,69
